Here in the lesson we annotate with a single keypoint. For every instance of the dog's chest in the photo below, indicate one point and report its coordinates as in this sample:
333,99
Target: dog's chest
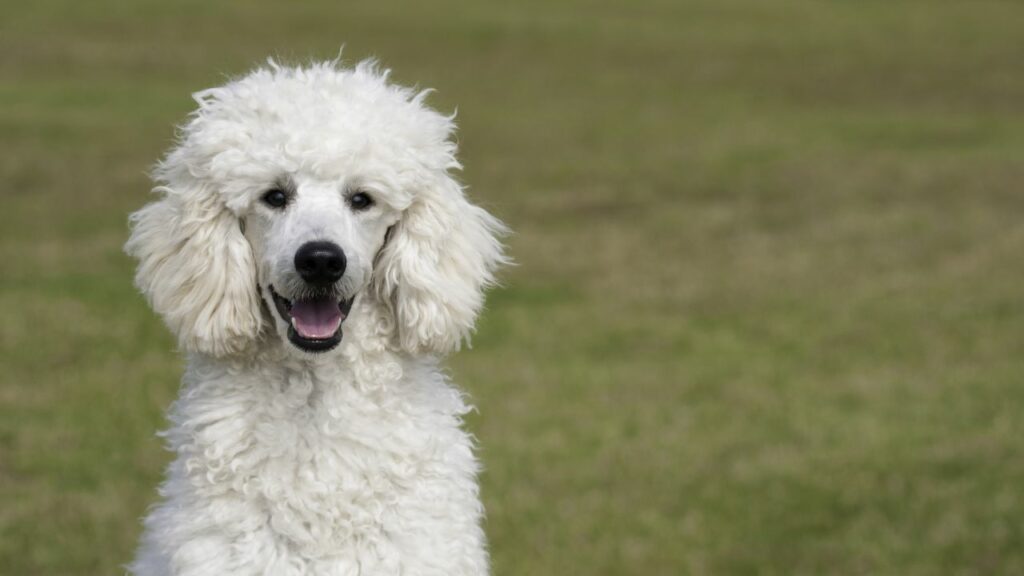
324,465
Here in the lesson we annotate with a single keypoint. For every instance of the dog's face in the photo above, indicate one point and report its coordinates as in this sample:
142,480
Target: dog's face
315,242
309,189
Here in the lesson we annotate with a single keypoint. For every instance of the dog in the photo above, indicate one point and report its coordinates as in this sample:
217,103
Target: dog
316,259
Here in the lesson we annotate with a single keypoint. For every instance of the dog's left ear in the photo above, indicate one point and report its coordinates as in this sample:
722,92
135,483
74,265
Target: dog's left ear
437,262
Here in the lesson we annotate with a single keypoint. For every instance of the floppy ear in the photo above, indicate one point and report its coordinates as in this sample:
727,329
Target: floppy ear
437,262
196,269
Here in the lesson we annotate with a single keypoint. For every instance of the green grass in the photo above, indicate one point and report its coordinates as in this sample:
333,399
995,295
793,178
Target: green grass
768,313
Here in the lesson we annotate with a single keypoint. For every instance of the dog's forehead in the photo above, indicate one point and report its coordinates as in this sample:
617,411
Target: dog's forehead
332,150
300,161
351,128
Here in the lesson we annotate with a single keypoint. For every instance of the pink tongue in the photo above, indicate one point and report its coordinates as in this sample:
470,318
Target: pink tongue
316,318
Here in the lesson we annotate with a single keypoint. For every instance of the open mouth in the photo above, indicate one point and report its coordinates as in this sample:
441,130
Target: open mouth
314,324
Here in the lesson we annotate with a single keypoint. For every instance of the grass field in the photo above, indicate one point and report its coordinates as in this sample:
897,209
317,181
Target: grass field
768,316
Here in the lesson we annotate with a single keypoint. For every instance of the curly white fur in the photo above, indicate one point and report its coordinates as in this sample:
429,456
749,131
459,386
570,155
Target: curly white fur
287,462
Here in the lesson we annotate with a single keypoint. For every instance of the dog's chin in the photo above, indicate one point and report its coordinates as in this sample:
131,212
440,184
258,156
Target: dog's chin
314,345
314,326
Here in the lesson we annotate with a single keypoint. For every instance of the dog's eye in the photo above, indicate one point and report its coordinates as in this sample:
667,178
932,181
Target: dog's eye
360,201
275,198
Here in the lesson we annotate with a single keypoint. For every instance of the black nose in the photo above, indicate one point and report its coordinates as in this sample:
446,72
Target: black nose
320,263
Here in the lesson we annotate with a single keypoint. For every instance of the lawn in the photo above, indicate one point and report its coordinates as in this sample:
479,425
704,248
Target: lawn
768,312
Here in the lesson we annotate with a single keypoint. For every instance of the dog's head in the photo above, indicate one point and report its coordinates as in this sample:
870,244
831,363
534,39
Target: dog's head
306,189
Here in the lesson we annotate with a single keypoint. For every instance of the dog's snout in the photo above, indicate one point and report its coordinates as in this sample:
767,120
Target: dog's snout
320,263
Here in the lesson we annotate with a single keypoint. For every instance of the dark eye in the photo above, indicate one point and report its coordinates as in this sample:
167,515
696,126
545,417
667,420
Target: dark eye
360,201
275,198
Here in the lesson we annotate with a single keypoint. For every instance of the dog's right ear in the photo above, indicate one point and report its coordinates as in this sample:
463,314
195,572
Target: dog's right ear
196,269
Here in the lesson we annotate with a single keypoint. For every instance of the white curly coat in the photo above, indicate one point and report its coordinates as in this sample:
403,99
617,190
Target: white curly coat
345,462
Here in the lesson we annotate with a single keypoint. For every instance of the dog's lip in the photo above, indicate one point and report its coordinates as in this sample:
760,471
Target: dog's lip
284,307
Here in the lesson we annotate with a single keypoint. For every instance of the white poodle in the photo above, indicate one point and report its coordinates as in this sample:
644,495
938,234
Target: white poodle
315,258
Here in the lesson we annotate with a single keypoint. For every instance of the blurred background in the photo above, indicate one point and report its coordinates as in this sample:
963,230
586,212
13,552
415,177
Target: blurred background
767,317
